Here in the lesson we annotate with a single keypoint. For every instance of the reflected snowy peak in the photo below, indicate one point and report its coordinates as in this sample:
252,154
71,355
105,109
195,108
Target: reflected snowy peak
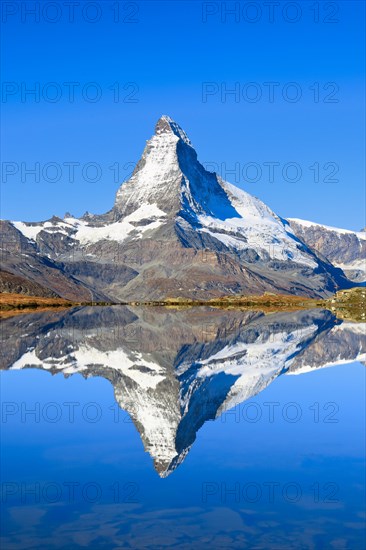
174,370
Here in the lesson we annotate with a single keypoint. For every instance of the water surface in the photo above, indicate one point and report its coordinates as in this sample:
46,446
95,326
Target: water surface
156,428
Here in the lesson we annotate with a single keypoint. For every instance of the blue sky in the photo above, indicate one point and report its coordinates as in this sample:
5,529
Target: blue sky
300,150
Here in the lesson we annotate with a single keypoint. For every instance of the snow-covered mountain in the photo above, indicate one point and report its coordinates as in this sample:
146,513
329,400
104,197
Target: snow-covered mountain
343,248
175,230
174,370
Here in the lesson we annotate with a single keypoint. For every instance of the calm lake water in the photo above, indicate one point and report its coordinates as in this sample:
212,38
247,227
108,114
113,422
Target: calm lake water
156,428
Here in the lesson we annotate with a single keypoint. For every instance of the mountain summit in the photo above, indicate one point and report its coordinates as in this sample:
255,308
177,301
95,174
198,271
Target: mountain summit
166,125
157,177
175,230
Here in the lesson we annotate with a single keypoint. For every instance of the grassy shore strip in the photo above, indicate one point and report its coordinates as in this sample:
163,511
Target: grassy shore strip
10,301
21,301
347,304
355,296
232,301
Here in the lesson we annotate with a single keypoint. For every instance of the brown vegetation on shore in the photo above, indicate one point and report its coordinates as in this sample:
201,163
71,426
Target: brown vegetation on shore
347,304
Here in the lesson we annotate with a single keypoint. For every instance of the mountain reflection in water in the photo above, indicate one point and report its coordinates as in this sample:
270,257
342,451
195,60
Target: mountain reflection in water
173,370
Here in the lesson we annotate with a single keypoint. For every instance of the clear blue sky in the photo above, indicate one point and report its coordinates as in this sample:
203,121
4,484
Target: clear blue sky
168,51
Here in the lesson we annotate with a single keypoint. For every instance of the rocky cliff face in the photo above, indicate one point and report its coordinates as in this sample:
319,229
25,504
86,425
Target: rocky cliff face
344,249
20,257
174,370
16,284
175,230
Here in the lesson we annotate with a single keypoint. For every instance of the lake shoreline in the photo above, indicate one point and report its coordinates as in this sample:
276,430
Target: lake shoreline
347,303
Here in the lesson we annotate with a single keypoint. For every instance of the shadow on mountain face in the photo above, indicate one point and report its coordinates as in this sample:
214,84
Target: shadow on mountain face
174,370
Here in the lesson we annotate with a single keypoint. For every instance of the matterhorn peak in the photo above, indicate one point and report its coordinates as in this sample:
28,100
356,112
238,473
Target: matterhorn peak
183,232
167,125
160,174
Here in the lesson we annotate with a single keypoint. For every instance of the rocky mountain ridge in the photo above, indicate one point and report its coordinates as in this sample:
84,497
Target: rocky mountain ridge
343,248
175,230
